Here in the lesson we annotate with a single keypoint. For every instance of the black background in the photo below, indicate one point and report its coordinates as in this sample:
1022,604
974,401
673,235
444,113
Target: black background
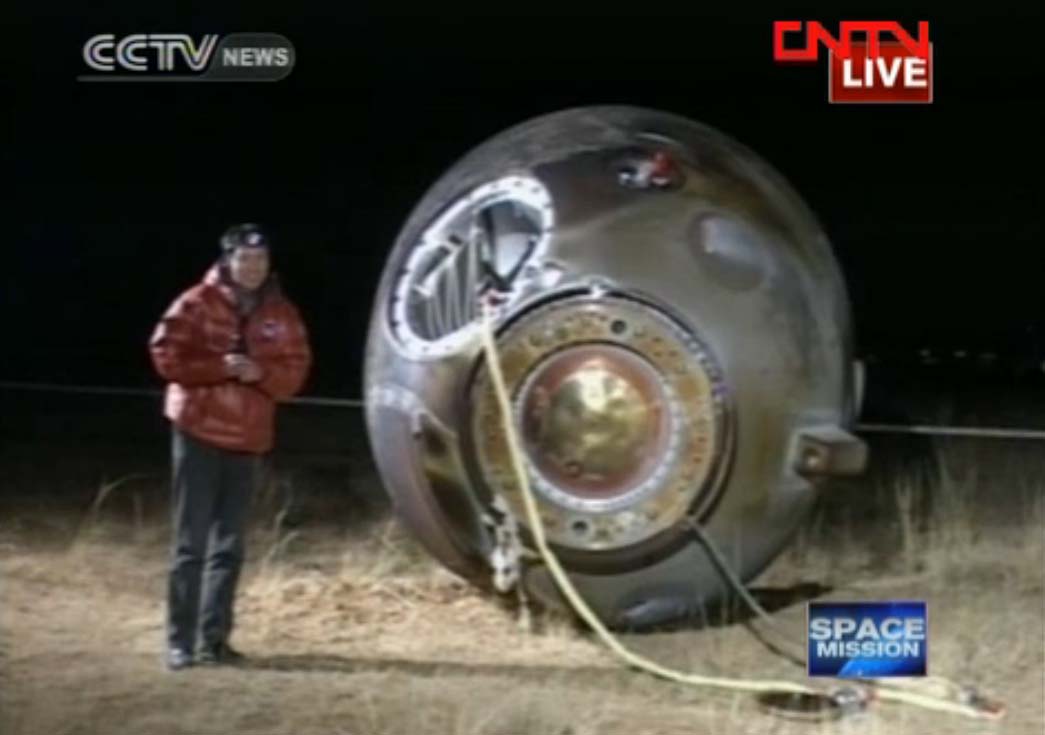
116,193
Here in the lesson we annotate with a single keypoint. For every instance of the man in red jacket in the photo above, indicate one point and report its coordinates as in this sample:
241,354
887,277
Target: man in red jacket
230,347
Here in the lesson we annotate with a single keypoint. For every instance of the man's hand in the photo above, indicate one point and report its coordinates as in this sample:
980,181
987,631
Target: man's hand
242,368
251,372
234,365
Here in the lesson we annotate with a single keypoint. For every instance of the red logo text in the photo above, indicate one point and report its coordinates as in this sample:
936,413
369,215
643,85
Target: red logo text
870,61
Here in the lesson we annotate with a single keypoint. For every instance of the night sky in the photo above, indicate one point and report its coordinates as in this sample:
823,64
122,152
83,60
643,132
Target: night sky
116,193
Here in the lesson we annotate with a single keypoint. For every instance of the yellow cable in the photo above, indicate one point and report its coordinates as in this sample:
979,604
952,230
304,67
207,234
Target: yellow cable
581,608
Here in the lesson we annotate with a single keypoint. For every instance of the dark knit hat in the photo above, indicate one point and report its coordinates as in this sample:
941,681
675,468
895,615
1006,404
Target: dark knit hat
244,236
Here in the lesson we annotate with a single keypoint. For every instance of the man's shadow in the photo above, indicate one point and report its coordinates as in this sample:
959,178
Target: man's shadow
770,599
596,677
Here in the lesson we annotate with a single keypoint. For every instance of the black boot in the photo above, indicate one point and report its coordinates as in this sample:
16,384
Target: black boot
220,654
178,658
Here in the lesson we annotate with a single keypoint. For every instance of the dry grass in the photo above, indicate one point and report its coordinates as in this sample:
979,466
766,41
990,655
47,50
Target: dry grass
353,629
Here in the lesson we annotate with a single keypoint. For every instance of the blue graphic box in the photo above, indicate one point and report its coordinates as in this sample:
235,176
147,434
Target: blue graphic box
867,639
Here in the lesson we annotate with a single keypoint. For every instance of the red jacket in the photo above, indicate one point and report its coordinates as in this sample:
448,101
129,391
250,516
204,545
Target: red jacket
188,348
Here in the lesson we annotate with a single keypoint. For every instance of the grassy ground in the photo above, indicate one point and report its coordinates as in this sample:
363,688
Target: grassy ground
352,629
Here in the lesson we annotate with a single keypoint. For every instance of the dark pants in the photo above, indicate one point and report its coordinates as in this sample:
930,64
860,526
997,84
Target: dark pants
210,496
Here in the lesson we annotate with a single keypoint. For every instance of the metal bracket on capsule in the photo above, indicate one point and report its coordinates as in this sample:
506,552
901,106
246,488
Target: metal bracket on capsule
828,451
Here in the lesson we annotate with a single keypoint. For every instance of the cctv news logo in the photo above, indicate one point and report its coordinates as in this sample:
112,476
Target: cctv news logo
870,61
246,57
867,639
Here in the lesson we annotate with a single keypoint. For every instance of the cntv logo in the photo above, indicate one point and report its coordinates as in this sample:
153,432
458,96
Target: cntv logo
874,61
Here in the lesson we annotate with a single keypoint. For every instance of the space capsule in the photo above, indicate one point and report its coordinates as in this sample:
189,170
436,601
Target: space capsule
675,337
